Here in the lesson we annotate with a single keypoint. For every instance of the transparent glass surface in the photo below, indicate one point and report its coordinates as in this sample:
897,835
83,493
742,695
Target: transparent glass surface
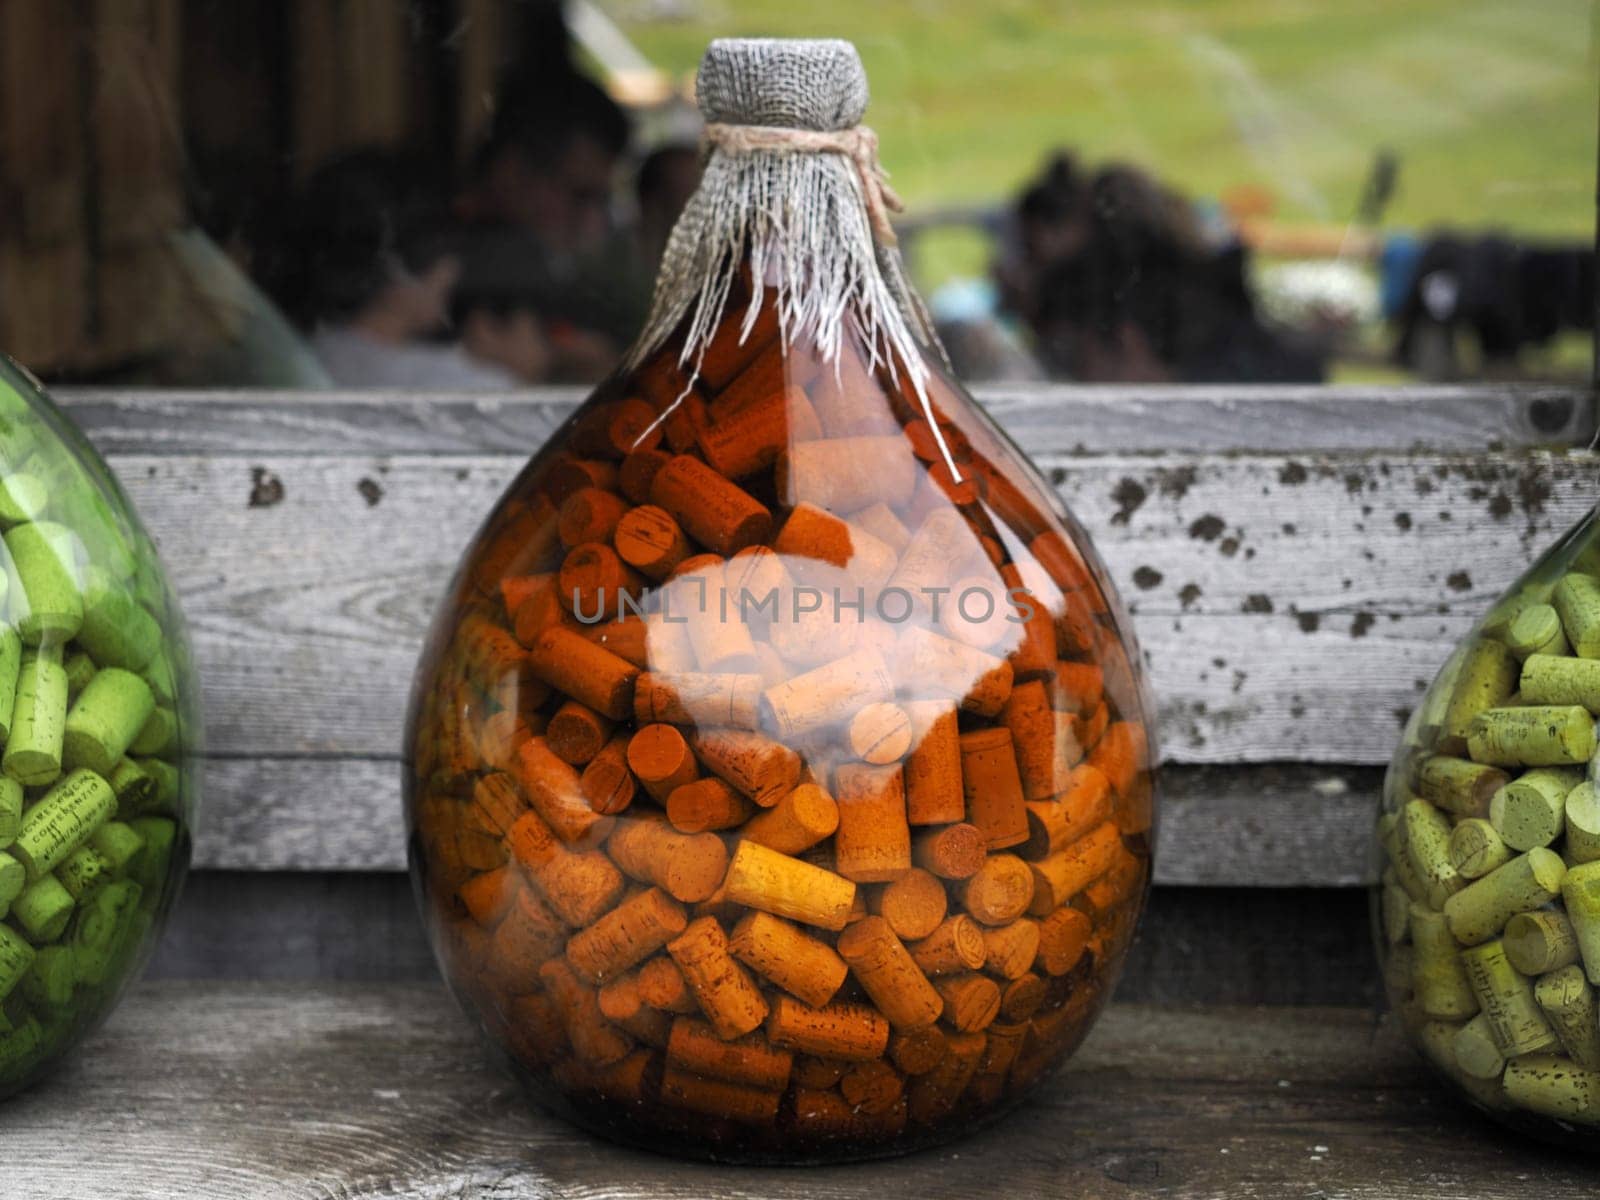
98,782
779,779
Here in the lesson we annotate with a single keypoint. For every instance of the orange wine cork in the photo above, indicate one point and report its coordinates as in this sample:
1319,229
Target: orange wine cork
931,1097
533,1030
631,1081
499,738
576,733
880,734
661,985
1121,755
747,439
762,769
722,988
590,674
829,694
498,802
554,789
606,782
1063,875
844,474
971,1002
914,905
528,937
942,667
693,1045
714,511
490,653
1118,885
571,473
918,1051
993,788
950,852
698,698
788,887
826,1116
1033,655
620,429
619,998
872,1087
822,549
879,520
883,966
955,946
1010,949
818,1073
1021,998
1091,729
1053,825
734,348
595,583
662,760
628,934
589,515
804,816
792,959
594,1039
638,472
1001,890
873,842
578,885
717,1098
707,804
687,866
539,609
1005,1040
1063,937
515,589
1045,740
649,540
647,1027
934,794
1079,687
847,1032
488,895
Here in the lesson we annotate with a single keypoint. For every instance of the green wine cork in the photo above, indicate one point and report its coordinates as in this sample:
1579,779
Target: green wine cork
1508,608
1514,1017
10,810
1583,824
1394,909
1425,834
1394,848
1548,679
1459,785
49,608
1569,1005
1555,1087
1475,1050
1476,849
84,870
119,842
22,498
163,683
62,821
1481,909
1440,982
150,868
80,670
10,669
1437,1040
20,1046
52,979
102,933
1531,811
117,631
43,909
1487,677
1536,630
1536,736
16,956
159,734
133,787
1577,599
164,778
39,719
13,878
1539,942
106,720
1580,892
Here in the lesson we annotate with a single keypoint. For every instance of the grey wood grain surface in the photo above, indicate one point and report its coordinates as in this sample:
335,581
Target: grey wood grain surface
271,1090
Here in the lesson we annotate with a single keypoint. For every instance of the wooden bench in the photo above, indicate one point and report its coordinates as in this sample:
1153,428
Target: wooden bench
1299,562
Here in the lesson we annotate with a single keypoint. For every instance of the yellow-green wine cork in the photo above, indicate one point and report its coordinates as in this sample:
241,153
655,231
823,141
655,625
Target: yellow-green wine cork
49,606
117,631
106,720
1577,599
1440,983
1486,679
159,734
133,787
1548,679
1480,910
1569,1005
52,979
1425,834
1475,1050
16,956
43,909
1393,846
1536,630
1531,810
62,821
39,719
164,778
1583,824
1514,1017
10,669
1476,849
13,878
1555,1087
22,498
20,1047
159,675
1437,1040
150,867
103,930
10,810
1459,785
80,670
1394,909
1539,942
84,870
1580,892
1508,608
119,842
1545,735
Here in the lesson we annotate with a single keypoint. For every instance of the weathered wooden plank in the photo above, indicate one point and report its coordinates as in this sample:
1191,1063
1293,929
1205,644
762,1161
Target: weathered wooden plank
269,1090
1264,826
1290,608
1047,418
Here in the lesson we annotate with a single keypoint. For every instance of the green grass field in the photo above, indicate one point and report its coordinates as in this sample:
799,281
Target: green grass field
1490,104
